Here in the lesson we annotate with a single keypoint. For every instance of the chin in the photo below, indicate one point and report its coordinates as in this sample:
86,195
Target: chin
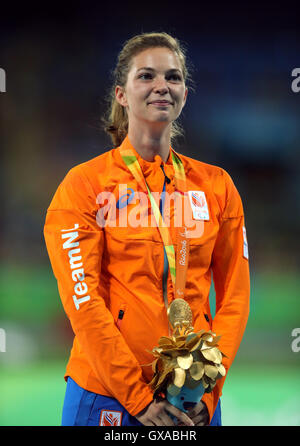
162,117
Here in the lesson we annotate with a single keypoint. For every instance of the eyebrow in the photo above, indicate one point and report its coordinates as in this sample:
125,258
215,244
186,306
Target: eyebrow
171,70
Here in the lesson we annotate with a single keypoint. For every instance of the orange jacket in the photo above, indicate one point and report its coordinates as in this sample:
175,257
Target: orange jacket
110,277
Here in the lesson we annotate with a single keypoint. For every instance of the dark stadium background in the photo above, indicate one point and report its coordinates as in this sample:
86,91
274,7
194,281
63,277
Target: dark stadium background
243,116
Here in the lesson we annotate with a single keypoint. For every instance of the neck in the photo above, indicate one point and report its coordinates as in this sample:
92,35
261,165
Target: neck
149,143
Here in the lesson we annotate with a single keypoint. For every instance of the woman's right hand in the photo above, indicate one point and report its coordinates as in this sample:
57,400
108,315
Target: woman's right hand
157,414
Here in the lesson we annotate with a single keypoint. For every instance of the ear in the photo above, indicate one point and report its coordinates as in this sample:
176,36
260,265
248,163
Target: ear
185,96
121,96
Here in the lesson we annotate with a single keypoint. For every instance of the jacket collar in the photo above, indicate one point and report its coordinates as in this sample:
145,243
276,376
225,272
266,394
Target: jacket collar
147,166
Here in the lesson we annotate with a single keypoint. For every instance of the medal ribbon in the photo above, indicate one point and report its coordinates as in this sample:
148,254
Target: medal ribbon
178,267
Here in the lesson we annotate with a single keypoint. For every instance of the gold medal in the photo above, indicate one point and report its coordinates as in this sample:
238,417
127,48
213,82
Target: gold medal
180,313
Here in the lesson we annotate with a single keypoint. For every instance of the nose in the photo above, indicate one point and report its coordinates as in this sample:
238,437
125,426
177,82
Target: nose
161,85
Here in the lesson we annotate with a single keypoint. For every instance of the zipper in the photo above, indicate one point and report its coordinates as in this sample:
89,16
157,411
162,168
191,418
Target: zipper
166,265
167,179
165,270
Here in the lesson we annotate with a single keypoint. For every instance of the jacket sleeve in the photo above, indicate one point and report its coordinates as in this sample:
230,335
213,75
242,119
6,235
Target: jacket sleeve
75,246
230,267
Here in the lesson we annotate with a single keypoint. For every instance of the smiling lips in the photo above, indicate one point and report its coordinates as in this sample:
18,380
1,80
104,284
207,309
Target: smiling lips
160,103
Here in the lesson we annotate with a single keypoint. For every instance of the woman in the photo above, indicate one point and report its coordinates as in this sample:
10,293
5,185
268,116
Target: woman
112,263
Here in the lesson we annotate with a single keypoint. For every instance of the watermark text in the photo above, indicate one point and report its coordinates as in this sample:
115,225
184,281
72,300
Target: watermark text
296,342
133,209
296,82
2,81
2,341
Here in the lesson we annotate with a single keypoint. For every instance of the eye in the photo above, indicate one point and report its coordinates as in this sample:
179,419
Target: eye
175,77
145,76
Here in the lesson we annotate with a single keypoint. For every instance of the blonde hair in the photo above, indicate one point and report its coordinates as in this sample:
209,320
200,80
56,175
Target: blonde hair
116,120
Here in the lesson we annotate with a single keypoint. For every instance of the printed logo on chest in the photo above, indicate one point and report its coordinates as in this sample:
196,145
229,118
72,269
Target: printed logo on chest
198,204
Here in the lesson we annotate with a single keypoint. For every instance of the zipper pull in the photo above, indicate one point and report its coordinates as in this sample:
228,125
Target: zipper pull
120,317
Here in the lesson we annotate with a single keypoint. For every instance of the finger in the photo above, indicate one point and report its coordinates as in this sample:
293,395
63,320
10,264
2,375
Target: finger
167,421
196,410
181,416
185,419
147,423
157,422
201,420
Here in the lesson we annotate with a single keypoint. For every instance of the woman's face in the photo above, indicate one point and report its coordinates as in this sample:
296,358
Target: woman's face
155,90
